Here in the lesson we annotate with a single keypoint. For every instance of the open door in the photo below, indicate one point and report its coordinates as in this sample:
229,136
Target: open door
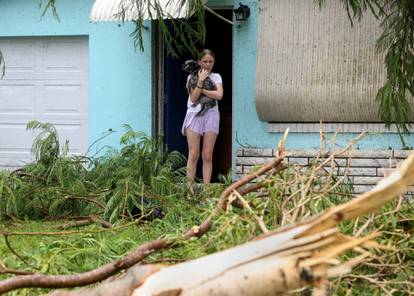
172,100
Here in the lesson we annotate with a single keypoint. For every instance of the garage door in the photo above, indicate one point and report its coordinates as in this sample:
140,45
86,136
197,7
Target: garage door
47,80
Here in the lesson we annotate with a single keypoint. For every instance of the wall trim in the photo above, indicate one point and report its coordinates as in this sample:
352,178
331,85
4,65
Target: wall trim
301,127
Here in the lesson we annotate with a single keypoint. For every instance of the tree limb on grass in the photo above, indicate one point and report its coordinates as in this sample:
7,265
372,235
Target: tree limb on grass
304,254
141,252
86,221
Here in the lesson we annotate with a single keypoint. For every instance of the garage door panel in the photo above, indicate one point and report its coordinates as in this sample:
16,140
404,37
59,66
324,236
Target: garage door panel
44,99
45,58
17,99
17,140
64,58
21,58
64,100
46,80
14,161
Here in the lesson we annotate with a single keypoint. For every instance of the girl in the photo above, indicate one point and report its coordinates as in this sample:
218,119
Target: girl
206,125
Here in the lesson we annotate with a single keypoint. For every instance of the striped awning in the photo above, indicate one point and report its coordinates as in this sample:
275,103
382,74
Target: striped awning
127,10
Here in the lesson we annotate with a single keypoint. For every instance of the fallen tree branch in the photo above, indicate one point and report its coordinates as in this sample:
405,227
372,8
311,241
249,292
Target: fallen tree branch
303,254
249,209
4,270
6,239
219,275
141,252
85,221
64,233
287,259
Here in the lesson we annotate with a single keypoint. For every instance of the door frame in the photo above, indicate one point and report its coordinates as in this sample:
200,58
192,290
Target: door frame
158,79
157,83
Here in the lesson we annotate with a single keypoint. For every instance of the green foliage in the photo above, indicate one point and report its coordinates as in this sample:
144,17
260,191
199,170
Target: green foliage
60,184
92,247
356,8
180,36
46,147
397,41
226,179
390,271
8,201
138,171
293,195
50,4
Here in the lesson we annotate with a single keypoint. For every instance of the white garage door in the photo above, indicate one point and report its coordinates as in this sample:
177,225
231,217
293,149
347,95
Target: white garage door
46,80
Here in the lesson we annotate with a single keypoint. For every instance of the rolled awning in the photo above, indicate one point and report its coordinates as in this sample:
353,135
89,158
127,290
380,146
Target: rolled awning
313,65
127,10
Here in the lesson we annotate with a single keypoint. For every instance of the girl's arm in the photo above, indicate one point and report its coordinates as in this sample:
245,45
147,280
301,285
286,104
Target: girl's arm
195,92
214,94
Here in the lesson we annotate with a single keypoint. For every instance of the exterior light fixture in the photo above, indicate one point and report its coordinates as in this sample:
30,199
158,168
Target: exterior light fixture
242,13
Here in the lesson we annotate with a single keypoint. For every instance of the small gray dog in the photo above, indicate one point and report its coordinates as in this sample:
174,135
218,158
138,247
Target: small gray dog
206,103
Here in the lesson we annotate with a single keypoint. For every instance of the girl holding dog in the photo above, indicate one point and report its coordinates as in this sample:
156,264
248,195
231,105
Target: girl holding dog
206,125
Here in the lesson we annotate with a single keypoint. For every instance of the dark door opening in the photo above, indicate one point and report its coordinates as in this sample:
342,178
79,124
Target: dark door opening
219,40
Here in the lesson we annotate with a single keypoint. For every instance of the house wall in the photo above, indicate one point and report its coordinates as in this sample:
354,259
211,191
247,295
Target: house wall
254,141
119,75
249,131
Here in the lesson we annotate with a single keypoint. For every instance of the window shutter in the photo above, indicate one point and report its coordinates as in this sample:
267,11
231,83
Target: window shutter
313,65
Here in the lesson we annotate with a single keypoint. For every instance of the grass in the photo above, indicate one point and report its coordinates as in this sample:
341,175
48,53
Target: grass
34,196
95,246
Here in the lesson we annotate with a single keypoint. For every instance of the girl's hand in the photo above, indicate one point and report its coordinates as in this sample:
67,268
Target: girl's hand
203,74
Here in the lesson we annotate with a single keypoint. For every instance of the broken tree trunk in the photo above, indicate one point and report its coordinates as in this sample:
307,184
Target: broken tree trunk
138,254
304,254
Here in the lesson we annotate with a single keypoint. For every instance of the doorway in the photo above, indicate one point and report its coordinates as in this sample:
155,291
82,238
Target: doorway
174,95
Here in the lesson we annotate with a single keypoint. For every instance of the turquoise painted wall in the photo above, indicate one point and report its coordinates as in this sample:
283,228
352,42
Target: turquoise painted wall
119,75
248,129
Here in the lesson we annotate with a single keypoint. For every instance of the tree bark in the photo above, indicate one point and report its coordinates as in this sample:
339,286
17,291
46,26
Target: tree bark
304,254
141,252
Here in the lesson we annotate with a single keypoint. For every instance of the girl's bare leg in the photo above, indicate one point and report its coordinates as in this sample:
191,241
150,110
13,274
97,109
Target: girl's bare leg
209,139
193,140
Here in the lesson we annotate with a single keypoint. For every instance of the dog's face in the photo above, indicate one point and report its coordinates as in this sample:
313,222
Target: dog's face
190,66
